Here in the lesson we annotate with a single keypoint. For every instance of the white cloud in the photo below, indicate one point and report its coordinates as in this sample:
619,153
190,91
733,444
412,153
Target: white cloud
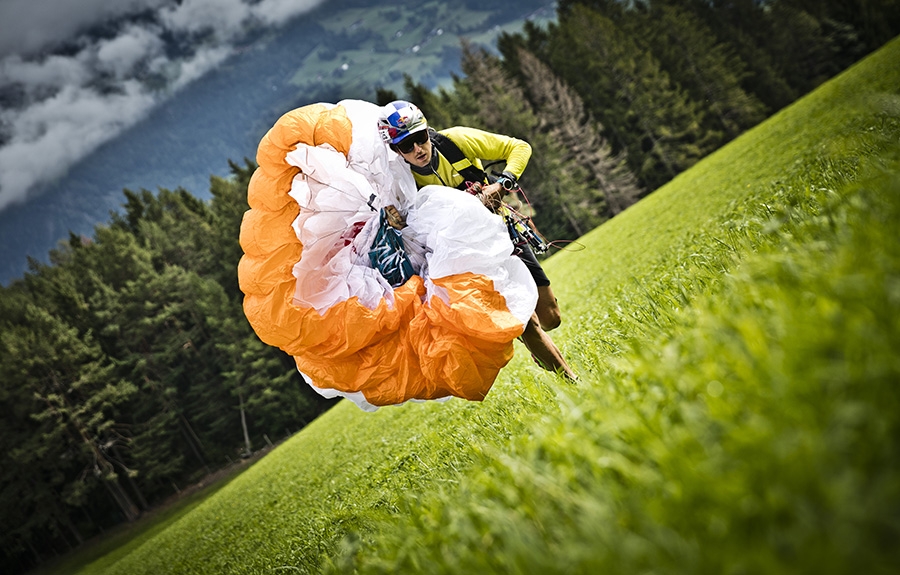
59,116
275,12
32,25
54,71
205,60
225,17
54,133
134,45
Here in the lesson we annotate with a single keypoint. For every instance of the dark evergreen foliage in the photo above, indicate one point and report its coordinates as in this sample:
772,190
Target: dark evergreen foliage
127,370
671,80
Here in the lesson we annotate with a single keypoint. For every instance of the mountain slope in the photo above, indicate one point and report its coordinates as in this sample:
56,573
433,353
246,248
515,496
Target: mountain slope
737,408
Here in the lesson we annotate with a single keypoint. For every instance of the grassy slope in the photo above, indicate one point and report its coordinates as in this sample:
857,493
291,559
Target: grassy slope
740,328
714,415
108,548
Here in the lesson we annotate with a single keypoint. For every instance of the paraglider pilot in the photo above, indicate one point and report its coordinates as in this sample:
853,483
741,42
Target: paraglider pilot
452,158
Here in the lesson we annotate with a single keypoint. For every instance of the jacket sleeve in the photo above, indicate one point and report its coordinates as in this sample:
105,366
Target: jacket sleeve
487,146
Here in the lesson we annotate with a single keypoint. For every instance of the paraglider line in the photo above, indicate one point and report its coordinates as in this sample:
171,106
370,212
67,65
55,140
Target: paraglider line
578,246
318,211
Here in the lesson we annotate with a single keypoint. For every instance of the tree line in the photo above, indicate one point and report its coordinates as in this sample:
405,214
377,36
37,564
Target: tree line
128,369
618,96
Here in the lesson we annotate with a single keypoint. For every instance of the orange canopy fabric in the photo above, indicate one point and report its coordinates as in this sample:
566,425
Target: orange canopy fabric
311,291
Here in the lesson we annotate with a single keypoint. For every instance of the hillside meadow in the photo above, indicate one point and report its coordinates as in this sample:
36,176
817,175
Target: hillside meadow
737,410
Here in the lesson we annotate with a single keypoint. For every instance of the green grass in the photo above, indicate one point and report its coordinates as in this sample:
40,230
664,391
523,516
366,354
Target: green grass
108,548
736,336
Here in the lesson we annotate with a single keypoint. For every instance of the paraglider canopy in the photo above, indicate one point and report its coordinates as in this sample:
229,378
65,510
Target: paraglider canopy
312,290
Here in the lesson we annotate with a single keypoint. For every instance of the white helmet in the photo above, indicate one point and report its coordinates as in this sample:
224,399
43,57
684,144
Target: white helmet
399,119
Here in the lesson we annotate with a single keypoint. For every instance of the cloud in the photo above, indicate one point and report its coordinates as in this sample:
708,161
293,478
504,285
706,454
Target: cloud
56,132
225,17
205,60
63,93
32,25
275,12
54,71
123,53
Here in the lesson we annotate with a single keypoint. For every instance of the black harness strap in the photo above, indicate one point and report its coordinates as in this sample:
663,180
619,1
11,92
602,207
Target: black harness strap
457,159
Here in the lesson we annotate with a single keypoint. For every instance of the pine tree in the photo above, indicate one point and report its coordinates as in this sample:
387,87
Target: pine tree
384,96
710,71
32,473
556,185
438,108
264,379
561,112
745,26
174,225
875,22
624,87
127,362
227,209
170,350
76,406
807,48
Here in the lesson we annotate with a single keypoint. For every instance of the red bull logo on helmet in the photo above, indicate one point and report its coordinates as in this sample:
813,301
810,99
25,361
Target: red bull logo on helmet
400,119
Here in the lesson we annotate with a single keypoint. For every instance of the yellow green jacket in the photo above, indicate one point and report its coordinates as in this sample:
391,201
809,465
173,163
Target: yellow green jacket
476,145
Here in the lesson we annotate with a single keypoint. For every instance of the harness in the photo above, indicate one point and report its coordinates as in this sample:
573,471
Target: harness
463,166
388,254
520,229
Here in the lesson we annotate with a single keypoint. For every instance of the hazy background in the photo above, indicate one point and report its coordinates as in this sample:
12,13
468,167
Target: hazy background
97,96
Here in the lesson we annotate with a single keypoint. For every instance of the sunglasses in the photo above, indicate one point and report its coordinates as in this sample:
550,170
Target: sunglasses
407,144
